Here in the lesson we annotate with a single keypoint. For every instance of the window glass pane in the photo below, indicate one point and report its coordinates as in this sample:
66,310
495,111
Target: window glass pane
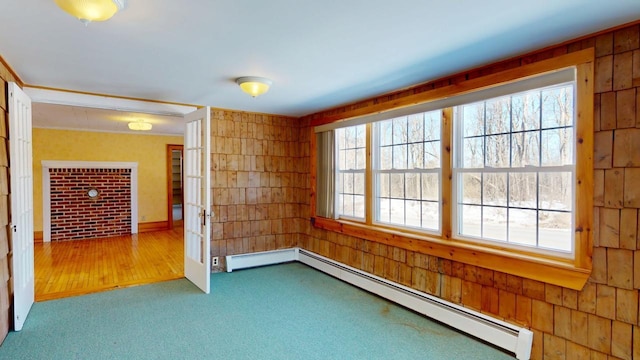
432,155
495,189
416,156
525,111
497,151
473,119
383,185
555,191
385,158
522,226
399,156
400,130
555,230
430,215
557,107
361,136
341,159
494,223
470,219
397,186
358,183
349,160
347,183
413,213
523,190
557,147
432,122
358,206
361,158
498,116
525,149
385,132
416,128
471,188
473,153
396,208
412,183
430,187
347,204
384,211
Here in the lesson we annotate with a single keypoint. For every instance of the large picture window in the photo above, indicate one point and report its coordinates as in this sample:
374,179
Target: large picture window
515,168
495,171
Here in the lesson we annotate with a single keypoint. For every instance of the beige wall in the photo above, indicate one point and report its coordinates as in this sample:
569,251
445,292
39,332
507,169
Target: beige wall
149,151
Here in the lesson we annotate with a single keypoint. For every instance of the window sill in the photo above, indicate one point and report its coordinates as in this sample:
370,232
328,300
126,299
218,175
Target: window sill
531,266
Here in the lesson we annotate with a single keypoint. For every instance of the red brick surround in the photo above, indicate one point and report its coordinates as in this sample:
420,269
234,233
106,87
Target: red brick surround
74,215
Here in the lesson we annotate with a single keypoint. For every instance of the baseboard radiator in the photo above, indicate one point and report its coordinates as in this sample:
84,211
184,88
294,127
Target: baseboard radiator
507,336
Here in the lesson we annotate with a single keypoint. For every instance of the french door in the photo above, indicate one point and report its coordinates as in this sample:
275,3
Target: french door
21,181
197,198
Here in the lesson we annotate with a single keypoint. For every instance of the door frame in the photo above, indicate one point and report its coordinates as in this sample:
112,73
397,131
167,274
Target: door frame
170,149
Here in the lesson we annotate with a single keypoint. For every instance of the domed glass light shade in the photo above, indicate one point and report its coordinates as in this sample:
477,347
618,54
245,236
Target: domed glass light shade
91,10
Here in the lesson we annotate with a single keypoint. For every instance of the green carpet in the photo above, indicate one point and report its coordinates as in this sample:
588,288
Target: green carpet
286,311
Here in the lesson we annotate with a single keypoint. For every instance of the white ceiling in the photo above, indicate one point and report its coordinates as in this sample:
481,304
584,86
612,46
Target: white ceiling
319,54
67,117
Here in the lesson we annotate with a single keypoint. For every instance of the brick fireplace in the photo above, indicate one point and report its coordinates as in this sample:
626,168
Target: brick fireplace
83,200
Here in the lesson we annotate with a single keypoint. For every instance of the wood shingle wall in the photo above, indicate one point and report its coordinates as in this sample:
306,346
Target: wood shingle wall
600,321
260,182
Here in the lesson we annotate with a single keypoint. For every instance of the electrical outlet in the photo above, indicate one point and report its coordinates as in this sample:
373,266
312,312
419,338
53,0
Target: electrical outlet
215,261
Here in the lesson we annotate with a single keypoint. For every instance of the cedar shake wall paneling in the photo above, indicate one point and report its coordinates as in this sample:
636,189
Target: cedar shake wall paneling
75,216
259,179
597,322
6,291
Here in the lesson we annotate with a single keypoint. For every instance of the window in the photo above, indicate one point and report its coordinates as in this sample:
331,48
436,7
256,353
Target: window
514,169
407,171
350,172
495,171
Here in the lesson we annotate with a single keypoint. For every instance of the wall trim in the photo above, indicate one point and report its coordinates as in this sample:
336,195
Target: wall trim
46,187
153,226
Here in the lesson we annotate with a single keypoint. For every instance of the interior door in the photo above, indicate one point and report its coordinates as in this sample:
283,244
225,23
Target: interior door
197,198
21,181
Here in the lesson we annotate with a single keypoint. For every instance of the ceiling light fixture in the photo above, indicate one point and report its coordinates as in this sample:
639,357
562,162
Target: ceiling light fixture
140,125
91,10
253,85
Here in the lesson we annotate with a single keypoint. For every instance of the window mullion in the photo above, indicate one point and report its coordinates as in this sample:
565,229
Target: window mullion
368,177
446,164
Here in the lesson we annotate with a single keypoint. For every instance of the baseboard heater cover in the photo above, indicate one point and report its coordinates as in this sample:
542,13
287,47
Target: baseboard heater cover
507,336
243,261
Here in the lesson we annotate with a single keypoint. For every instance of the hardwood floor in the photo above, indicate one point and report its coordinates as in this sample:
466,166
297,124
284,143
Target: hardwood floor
71,268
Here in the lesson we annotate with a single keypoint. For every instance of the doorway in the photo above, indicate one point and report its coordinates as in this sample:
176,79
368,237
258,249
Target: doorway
175,198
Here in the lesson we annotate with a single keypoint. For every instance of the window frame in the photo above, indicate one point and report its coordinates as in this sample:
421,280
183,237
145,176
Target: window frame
567,272
537,170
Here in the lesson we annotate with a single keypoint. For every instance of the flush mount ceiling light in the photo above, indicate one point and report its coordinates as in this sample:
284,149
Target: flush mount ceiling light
140,125
91,10
253,85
